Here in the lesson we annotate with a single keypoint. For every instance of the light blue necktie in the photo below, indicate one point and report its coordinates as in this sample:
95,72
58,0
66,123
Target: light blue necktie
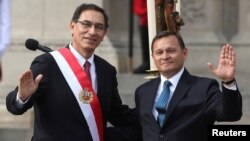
161,103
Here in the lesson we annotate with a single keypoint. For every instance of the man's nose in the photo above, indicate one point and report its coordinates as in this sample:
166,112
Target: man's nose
166,54
92,29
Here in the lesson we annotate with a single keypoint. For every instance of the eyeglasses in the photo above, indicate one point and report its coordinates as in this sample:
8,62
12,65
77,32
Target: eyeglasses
88,24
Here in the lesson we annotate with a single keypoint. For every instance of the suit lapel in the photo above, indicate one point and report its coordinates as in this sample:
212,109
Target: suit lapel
150,99
100,80
183,86
101,84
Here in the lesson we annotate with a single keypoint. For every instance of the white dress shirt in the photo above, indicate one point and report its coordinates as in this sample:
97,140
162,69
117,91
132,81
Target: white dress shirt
174,81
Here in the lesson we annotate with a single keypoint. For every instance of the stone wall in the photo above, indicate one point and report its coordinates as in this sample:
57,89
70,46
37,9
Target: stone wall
208,25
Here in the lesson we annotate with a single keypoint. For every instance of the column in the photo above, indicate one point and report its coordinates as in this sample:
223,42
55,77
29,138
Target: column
151,27
202,21
244,24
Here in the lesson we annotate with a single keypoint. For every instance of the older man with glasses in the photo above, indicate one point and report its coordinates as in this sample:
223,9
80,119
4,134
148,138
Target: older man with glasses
73,91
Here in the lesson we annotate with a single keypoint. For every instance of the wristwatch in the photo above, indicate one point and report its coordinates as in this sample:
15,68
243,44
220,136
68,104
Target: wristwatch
228,82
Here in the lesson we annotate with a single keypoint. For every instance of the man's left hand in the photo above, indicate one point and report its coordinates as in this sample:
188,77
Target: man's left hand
227,64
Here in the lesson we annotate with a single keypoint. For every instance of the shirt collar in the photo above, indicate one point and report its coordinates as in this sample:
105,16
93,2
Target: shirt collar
174,79
79,57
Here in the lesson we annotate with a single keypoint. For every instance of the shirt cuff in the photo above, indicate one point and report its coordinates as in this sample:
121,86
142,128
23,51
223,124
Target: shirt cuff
19,102
231,86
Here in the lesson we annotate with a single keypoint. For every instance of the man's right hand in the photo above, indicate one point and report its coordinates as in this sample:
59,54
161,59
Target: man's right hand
27,86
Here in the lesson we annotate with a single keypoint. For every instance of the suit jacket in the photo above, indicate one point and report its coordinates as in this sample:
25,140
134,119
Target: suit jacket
58,116
196,103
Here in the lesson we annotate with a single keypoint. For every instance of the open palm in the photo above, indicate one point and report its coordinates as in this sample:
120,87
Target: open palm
227,64
28,85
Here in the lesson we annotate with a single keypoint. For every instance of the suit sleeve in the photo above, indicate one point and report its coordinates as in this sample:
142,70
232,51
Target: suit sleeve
124,119
225,105
232,103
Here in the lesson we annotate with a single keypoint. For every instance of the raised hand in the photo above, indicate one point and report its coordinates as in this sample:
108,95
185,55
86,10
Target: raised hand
27,86
227,64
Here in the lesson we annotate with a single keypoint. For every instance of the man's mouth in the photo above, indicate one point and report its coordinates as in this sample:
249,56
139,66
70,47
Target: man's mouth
91,40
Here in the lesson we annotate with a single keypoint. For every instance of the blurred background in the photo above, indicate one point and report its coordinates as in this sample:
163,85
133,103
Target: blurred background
208,25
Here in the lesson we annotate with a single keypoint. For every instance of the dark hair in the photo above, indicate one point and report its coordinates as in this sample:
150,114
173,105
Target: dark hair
84,7
166,34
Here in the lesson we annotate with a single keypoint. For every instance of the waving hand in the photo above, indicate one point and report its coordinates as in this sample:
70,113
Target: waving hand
227,64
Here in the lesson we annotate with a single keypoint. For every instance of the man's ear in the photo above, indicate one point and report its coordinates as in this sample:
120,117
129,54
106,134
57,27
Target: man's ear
71,26
185,52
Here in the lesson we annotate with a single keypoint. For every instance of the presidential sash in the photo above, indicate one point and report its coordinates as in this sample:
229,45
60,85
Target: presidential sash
82,89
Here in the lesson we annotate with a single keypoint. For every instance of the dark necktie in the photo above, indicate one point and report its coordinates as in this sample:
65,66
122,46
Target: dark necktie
162,102
87,69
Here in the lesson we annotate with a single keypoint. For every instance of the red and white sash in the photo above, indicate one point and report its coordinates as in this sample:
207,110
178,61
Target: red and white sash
78,80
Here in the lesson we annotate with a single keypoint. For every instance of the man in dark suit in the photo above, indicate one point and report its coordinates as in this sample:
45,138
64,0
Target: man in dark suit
193,102
71,102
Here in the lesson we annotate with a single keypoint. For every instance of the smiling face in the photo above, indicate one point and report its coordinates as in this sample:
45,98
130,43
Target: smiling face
87,33
168,56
